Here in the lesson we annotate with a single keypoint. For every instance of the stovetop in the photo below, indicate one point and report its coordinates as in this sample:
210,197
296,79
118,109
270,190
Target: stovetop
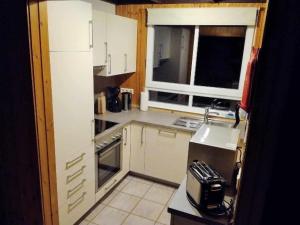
102,125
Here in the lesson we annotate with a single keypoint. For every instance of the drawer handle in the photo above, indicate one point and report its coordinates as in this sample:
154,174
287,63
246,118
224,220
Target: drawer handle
74,204
74,190
75,175
106,188
74,161
167,133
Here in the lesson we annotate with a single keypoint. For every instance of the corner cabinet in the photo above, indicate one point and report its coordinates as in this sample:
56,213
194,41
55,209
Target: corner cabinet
166,153
115,40
159,152
71,67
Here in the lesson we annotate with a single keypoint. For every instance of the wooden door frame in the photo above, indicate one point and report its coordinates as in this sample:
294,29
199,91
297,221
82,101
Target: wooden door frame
41,79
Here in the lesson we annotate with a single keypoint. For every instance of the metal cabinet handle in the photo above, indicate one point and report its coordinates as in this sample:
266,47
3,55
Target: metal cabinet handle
74,204
108,187
125,56
142,136
91,38
75,161
109,57
125,130
167,133
105,43
74,190
75,175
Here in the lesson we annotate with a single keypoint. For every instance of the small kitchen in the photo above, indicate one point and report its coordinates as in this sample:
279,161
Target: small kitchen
150,109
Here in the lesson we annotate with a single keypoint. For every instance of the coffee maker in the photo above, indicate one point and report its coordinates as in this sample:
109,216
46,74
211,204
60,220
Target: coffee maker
113,101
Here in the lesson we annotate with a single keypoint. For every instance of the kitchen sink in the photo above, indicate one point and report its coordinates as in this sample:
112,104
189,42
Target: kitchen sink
188,122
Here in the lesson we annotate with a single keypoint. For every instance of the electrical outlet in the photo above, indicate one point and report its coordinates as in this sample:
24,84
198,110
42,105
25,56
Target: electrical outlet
130,90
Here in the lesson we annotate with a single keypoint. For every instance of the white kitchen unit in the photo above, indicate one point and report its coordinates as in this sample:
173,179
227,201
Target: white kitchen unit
71,65
159,152
126,149
115,40
69,25
100,38
166,153
138,143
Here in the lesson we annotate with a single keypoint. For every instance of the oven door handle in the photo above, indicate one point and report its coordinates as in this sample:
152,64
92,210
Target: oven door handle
109,149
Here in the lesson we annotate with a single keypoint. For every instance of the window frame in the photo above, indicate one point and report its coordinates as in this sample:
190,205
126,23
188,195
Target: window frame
191,89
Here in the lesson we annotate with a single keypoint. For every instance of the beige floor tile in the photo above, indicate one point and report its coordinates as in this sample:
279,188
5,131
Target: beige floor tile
159,194
136,220
137,179
165,187
122,184
110,216
110,197
136,188
95,212
124,202
84,222
161,224
165,217
148,209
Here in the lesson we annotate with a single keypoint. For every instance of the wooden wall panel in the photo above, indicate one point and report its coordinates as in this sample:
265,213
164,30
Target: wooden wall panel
135,11
40,63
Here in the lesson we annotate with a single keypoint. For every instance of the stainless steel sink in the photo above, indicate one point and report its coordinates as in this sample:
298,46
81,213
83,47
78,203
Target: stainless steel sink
188,122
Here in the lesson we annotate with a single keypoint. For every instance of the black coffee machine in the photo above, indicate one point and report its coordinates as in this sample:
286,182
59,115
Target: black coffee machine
114,103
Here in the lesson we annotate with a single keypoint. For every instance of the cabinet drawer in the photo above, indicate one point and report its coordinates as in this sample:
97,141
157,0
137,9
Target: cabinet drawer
75,178
77,205
109,185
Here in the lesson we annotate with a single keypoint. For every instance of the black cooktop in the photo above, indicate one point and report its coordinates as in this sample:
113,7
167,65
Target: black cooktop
102,125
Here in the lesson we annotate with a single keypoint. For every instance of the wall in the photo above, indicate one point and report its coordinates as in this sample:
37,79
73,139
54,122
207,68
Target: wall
138,12
102,6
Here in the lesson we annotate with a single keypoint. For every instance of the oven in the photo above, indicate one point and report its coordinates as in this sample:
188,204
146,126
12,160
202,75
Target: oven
108,157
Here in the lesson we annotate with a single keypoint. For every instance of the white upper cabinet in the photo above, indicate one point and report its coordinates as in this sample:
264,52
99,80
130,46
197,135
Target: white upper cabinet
70,25
115,40
100,38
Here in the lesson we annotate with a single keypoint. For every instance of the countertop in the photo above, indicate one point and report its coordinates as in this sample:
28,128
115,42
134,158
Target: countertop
181,206
164,119
216,136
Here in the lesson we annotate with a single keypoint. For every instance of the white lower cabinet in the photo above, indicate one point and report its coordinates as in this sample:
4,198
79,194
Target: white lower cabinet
166,153
126,149
138,143
159,152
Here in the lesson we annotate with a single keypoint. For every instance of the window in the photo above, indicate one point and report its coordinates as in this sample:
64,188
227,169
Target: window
190,67
219,56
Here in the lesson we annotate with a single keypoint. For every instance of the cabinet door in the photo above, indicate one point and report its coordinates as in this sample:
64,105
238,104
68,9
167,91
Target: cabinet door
99,37
69,25
126,149
116,30
72,95
130,38
137,158
166,153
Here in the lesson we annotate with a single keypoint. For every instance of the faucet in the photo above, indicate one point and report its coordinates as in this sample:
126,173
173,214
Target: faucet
207,113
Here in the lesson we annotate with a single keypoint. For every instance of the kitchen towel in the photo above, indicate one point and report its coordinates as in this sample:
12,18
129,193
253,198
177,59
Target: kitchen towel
144,101
248,79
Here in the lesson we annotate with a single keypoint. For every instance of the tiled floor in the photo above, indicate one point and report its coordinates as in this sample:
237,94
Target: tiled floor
134,202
